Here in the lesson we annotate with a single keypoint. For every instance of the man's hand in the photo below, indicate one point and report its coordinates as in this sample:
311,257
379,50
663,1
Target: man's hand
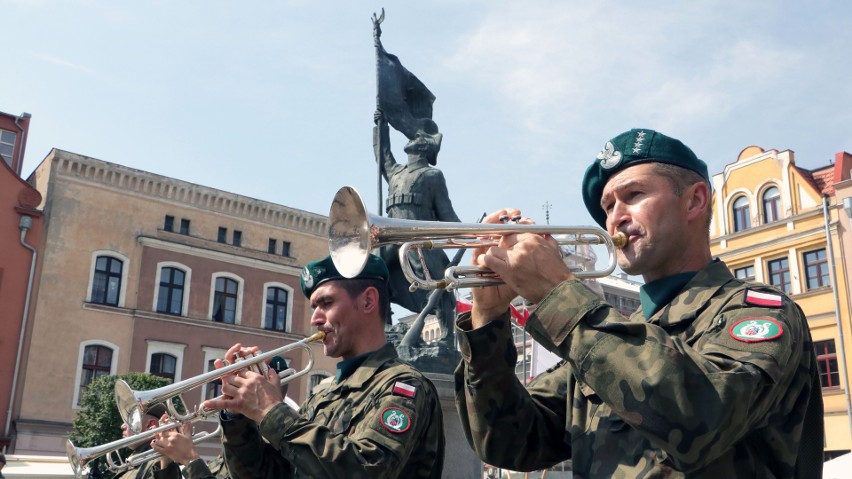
246,392
175,445
489,302
529,264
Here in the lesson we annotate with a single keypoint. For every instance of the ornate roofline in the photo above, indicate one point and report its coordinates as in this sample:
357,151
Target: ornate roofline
129,180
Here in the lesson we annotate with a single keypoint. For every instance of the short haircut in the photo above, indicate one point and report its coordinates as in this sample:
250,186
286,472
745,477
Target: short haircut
681,179
356,286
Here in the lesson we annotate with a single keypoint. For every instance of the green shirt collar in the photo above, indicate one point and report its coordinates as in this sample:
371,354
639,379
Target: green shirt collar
656,294
346,367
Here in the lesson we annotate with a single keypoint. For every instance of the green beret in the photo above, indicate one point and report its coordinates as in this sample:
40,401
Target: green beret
632,148
318,272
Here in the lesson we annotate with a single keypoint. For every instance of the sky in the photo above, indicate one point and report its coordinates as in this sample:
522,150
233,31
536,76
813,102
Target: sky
274,100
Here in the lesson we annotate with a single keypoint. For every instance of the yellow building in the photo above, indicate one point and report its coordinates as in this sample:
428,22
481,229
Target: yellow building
780,224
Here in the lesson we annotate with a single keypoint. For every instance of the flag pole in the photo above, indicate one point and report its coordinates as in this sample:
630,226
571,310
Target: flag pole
377,32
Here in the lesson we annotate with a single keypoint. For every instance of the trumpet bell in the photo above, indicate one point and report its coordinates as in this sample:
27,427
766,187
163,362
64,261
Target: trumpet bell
348,232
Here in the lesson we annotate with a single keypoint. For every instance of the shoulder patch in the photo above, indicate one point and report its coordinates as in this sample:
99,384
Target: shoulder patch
402,389
395,420
758,298
755,330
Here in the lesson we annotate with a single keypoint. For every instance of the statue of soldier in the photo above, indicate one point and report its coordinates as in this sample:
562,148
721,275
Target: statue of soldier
416,191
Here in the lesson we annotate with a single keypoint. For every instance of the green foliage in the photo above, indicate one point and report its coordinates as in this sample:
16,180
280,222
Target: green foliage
98,421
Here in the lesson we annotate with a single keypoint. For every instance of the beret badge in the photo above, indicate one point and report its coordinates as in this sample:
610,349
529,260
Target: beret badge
609,157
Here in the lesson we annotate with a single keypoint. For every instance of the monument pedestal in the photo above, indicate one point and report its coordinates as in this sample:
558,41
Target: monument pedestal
460,462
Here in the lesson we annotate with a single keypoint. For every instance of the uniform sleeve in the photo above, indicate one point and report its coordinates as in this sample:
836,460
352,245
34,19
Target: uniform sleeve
246,454
509,426
197,469
693,399
394,425
172,471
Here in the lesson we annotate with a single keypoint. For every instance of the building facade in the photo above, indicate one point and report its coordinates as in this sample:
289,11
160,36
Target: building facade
781,224
20,235
142,272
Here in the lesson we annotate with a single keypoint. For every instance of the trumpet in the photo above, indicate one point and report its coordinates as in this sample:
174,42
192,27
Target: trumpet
132,405
80,457
353,233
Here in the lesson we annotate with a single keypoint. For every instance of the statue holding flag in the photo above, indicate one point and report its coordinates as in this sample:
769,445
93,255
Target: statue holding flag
416,190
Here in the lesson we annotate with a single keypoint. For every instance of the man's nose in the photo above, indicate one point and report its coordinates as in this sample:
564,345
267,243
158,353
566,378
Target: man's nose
617,217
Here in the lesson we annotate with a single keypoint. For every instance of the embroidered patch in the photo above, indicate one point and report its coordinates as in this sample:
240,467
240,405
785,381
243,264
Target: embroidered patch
395,420
755,330
757,298
609,157
402,389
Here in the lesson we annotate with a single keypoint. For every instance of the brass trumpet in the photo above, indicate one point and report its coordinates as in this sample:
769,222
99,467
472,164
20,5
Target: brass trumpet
80,457
353,233
132,405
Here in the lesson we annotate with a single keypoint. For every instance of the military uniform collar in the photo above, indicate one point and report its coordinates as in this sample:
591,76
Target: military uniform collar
368,367
697,291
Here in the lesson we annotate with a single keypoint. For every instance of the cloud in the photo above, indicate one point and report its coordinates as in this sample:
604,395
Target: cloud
67,64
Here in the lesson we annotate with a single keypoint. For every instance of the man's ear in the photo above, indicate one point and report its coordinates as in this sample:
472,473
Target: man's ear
699,197
369,300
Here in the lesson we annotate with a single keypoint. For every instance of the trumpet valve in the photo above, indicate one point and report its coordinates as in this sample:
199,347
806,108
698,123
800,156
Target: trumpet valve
619,240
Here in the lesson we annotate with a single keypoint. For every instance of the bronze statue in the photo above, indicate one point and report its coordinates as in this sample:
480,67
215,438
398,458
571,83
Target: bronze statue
416,190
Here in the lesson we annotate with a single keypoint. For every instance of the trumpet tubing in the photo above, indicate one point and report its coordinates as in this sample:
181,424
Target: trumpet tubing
132,405
353,233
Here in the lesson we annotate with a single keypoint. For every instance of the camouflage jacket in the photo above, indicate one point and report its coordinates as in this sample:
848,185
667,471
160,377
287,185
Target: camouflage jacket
151,470
720,383
214,469
383,421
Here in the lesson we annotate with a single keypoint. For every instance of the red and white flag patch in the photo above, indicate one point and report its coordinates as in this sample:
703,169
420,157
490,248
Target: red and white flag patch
402,389
757,298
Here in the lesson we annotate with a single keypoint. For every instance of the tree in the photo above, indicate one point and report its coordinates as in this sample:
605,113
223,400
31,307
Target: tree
98,421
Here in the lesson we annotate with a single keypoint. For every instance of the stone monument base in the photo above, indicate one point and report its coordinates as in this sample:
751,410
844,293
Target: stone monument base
460,462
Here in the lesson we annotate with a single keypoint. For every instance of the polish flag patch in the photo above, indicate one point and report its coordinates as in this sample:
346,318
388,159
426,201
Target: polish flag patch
402,389
757,298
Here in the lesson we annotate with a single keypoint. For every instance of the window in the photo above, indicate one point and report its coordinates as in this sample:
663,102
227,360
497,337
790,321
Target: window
97,362
816,269
276,309
184,226
742,220
7,145
163,365
272,246
745,274
829,373
771,205
223,235
106,284
779,274
169,223
285,248
213,388
170,293
225,301
238,238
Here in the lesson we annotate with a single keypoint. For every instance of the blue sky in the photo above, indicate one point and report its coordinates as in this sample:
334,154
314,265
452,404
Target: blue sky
274,99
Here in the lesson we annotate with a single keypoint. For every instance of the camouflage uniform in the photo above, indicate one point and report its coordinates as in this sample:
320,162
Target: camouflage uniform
340,432
673,396
151,470
214,469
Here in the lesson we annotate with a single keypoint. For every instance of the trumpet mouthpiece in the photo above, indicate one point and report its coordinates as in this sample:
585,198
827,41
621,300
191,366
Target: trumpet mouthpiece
619,240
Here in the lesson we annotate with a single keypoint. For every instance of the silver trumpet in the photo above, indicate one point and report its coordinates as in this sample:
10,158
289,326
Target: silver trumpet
80,457
132,405
353,233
